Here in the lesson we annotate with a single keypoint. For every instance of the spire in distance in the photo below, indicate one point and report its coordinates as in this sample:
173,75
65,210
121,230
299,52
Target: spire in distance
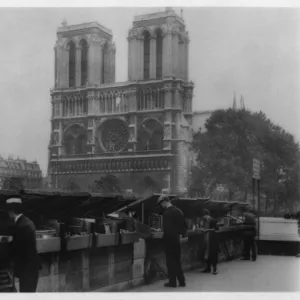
234,102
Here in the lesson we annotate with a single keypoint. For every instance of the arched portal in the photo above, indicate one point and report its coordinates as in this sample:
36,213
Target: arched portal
74,140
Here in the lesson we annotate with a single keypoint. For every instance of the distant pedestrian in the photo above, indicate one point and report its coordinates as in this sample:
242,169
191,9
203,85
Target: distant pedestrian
250,247
211,243
173,227
23,247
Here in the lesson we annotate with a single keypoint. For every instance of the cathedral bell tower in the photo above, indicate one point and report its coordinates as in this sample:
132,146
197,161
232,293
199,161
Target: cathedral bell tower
84,56
158,61
158,47
84,60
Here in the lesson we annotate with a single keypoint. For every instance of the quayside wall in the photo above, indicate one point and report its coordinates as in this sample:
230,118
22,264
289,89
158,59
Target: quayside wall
115,263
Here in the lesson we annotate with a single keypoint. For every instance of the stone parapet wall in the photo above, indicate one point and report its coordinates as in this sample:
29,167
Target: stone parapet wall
124,266
106,268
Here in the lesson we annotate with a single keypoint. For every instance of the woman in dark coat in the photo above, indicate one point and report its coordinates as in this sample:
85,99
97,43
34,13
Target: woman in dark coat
210,226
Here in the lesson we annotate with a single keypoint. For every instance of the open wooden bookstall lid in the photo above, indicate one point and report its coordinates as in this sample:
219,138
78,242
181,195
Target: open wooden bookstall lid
144,205
191,207
99,205
219,209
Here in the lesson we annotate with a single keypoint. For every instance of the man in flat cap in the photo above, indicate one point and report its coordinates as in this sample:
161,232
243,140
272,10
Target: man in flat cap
23,247
173,227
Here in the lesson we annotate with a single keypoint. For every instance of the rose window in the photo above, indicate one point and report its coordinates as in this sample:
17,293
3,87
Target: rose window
114,135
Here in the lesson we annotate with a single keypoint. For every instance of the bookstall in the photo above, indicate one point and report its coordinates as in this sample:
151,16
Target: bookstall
110,242
228,214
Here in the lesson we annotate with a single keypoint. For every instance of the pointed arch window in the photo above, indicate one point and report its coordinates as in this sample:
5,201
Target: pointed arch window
146,35
104,67
159,51
84,61
72,63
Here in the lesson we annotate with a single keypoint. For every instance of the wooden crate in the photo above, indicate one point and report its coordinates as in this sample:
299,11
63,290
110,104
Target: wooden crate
79,242
105,240
129,238
51,244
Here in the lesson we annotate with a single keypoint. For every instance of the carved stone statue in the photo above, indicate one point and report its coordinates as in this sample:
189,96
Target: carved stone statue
167,133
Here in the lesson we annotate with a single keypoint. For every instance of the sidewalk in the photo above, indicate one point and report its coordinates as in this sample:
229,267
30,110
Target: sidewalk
267,274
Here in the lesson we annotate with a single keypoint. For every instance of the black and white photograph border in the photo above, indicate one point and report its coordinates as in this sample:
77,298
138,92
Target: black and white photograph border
123,122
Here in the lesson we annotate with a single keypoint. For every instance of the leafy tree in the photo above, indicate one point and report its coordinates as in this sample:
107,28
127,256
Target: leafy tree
146,186
72,185
198,182
14,183
108,184
149,185
225,152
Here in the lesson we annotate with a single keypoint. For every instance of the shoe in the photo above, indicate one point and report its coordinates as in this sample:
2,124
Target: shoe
215,272
206,271
245,258
169,284
253,259
182,284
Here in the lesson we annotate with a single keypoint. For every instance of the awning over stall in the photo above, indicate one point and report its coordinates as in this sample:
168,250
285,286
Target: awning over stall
221,208
64,205
54,205
149,203
191,207
99,205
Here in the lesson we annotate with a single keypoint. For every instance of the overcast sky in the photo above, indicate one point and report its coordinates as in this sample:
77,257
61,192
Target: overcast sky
250,51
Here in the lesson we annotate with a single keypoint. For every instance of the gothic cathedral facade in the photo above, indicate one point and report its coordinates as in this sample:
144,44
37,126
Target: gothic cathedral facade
139,130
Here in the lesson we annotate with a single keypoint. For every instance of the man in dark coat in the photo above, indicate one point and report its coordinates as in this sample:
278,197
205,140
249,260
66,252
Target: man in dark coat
23,247
250,247
174,226
212,242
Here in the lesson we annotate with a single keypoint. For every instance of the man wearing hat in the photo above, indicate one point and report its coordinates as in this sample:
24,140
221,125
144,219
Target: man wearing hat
23,247
173,227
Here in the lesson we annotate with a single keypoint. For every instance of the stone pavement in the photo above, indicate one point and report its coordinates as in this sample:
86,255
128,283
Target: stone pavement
267,274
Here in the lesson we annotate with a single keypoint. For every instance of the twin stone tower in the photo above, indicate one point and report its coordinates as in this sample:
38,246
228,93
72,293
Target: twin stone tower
139,130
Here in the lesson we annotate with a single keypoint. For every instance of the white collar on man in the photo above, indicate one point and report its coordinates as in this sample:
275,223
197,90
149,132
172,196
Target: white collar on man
18,217
14,200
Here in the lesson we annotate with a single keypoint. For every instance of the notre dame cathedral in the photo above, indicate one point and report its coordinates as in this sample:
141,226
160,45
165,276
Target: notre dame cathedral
139,130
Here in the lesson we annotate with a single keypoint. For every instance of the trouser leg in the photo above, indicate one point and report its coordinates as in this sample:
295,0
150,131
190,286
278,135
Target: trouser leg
28,282
173,256
170,264
177,263
214,260
253,249
213,251
246,251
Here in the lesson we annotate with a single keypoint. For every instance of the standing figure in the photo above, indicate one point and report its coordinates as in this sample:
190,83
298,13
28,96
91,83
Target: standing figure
173,227
250,247
23,247
212,243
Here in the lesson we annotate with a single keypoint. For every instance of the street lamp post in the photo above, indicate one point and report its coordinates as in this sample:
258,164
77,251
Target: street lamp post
256,179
